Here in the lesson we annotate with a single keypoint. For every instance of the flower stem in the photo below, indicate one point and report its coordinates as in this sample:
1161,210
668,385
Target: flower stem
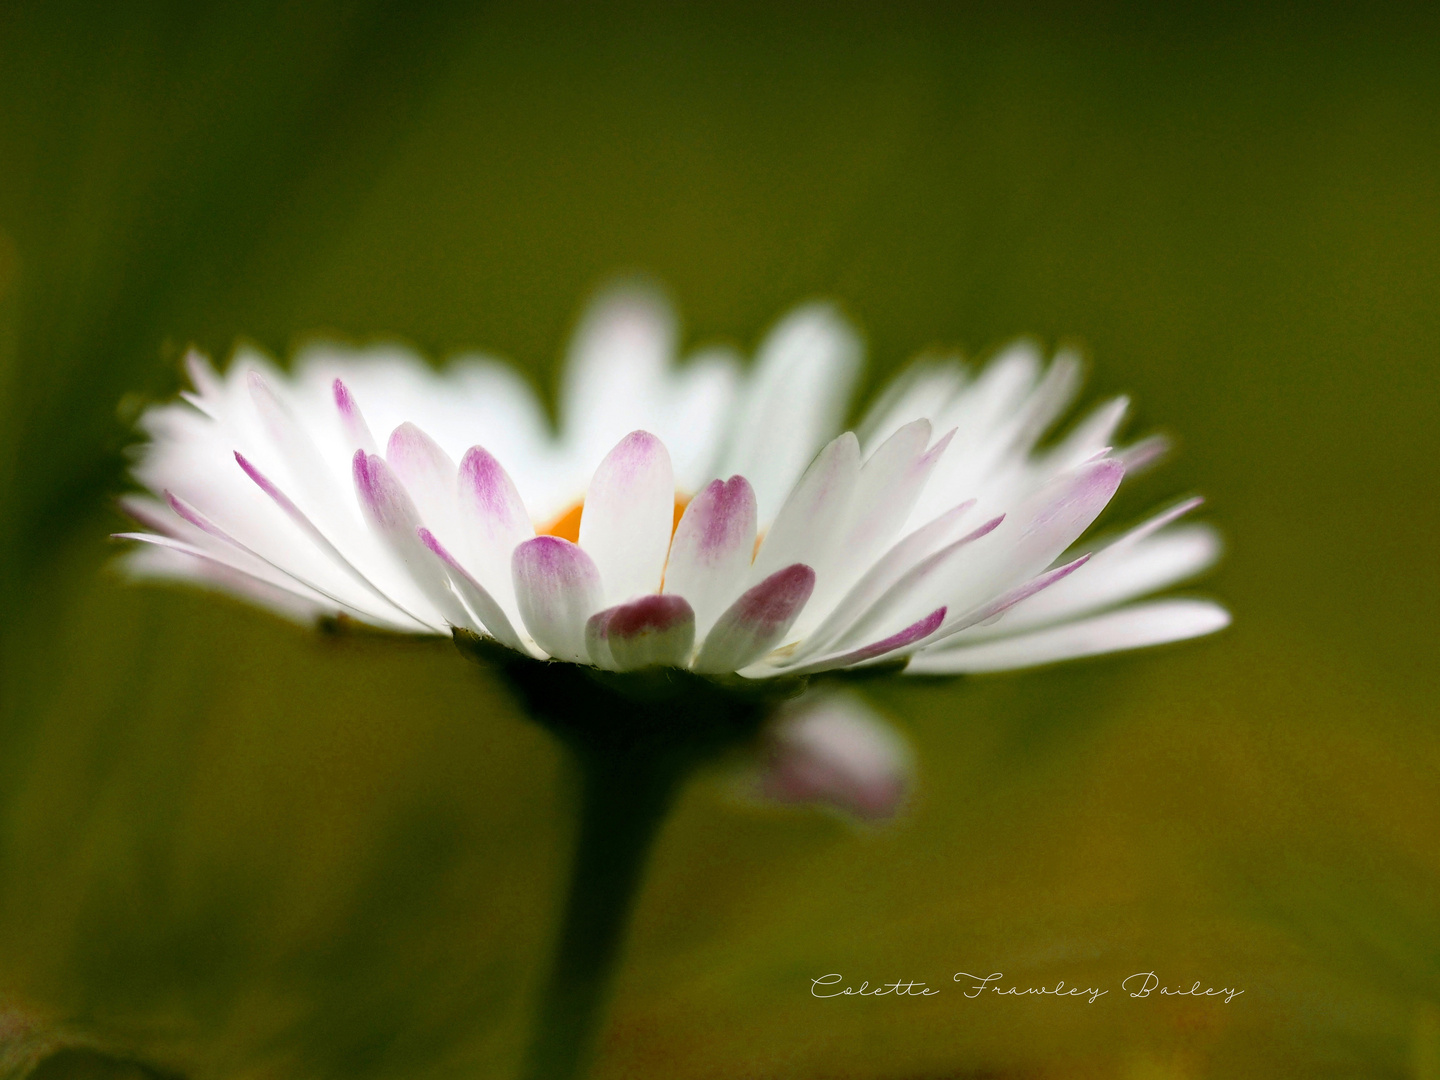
623,804
637,737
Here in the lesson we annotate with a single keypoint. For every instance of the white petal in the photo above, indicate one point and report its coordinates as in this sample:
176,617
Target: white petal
428,474
795,402
712,548
653,631
489,615
558,588
1027,541
1138,563
166,557
925,389
757,622
494,523
392,516
207,382
628,516
1129,628
888,486
900,560
150,562
808,528
321,542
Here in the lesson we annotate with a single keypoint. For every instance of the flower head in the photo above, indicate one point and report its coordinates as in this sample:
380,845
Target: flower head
690,516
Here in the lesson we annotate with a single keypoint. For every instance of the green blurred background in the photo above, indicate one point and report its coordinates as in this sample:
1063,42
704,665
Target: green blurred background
232,849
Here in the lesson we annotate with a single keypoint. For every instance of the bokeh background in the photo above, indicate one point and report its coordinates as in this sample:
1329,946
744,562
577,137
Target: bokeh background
233,849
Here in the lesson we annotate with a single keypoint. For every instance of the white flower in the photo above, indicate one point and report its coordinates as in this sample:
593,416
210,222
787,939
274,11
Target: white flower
909,538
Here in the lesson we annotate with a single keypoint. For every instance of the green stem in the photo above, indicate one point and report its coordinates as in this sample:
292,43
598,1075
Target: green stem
623,804
636,736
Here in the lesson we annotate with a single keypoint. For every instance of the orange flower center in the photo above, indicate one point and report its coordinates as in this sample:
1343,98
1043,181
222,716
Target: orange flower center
567,525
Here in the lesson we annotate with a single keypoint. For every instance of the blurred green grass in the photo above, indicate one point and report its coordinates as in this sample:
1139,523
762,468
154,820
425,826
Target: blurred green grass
231,849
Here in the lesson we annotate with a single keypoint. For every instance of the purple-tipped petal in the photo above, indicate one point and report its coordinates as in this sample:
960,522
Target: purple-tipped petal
917,588
494,521
557,587
357,431
489,613
915,632
1145,559
757,622
319,539
629,514
384,499
392,516
902,558
428,475
711,551
303,586
1026,542
653,631
991,611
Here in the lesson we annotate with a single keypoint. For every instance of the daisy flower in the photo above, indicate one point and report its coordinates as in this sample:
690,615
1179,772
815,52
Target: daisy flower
690,542
692,515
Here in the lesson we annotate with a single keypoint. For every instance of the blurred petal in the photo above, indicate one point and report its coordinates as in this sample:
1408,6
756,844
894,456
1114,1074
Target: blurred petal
617,377
1133,627
836,751
797,397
